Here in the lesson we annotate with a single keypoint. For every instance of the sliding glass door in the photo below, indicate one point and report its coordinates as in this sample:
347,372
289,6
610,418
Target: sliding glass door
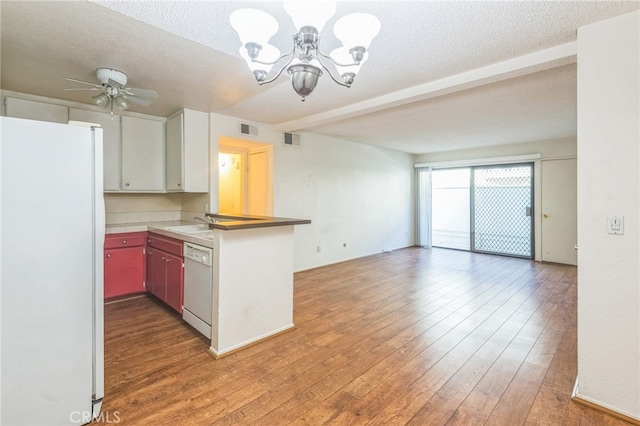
450,200
501,207
485,209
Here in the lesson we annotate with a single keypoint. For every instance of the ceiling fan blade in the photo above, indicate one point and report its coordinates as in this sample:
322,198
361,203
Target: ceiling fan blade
139,101
83,82
85,88
141,93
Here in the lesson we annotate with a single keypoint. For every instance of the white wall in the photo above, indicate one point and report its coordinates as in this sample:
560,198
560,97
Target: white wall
354,194
609,183
358,197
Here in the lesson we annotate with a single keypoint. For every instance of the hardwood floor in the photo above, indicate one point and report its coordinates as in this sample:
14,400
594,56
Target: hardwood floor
420,337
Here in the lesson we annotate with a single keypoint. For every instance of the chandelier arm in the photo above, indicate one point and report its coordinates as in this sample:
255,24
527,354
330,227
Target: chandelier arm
330,73
276,61
281,70
333,60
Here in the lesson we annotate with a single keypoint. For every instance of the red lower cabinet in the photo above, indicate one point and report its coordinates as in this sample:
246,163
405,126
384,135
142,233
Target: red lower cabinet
165,266
174,281
124,264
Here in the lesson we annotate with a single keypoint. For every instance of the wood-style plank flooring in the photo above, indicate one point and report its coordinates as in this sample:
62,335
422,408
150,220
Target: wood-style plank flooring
420,337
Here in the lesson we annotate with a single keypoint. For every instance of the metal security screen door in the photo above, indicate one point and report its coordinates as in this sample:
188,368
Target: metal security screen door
501,210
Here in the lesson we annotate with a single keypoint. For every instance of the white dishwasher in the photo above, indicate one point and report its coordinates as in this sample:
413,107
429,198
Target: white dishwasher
197,306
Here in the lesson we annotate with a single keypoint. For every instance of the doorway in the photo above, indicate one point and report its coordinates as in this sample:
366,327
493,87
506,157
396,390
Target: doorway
485,209
245,177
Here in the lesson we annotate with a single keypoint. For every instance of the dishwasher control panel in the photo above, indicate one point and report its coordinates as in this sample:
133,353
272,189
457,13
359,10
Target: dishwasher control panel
198,253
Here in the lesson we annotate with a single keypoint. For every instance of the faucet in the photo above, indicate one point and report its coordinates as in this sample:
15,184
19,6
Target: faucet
201,219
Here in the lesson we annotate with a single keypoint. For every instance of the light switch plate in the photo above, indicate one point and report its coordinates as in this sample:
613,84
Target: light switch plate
615,224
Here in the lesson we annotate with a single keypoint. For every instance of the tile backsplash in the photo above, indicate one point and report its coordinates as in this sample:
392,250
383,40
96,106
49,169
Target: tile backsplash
145,216
135,208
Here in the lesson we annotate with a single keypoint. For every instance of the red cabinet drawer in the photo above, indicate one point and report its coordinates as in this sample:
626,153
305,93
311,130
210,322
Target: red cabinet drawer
167,244
132,239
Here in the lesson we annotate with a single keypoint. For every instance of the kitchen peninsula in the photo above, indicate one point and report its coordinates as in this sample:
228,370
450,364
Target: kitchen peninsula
252,275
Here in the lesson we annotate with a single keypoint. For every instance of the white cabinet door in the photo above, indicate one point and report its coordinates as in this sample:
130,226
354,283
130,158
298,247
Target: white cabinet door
175,142
143,158
33,110
111,142
196,151
188,152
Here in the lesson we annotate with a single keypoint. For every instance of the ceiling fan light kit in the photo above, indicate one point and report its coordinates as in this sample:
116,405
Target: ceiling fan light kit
305,62
114,93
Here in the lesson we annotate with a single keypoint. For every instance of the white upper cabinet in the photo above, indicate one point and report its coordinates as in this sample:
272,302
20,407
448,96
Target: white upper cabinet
188,151
110,140
33,110
143,154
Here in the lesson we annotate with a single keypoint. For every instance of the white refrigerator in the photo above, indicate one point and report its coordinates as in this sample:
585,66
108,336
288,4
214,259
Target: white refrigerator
51,273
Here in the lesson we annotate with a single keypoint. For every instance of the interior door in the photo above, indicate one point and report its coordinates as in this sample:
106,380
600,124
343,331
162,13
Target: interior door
559,211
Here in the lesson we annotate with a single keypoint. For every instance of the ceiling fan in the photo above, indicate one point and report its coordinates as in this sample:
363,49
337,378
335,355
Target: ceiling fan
114,91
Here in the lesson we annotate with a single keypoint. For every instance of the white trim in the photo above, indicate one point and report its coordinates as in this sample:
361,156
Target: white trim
257,339
576,394
481,161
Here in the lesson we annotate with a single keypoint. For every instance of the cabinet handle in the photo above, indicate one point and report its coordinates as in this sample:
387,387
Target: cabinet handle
126,184
124,241
179,184
109,256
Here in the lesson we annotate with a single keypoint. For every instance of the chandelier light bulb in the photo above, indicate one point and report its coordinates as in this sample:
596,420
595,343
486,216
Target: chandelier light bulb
253,26
310,13
356,29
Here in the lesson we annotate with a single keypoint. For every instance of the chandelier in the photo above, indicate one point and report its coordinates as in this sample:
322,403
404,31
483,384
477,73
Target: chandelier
305,62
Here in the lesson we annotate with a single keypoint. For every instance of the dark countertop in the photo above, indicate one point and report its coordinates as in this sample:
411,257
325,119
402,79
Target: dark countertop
230,222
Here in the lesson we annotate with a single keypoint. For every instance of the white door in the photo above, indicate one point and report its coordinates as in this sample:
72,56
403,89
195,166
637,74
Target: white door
559,211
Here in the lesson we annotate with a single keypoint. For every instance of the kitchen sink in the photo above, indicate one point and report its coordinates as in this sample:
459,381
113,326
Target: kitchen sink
190,229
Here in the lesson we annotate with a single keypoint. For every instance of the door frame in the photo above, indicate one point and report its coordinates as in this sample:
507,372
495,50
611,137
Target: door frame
244,147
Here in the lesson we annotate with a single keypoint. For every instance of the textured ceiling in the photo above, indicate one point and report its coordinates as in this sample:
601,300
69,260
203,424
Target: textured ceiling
188,53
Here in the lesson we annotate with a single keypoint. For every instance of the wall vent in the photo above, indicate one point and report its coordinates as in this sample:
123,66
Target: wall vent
247,129
291,139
